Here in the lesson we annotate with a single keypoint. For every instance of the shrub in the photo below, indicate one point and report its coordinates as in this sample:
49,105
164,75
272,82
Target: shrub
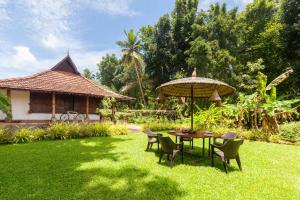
58,131
6,137
74,130
162,126
274,138
39,134
23,135
119,129
61,131
101,129
290,131
247,134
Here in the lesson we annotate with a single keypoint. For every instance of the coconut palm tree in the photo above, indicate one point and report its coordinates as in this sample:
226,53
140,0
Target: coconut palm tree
132,57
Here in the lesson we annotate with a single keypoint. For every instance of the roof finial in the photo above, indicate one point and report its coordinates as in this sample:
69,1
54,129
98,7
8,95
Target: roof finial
68,52
194,74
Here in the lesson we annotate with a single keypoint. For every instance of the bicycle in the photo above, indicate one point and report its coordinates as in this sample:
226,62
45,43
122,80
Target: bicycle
72,116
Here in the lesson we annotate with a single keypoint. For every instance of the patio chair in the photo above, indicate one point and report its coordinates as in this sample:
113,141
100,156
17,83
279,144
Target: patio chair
186,139
225,137
170,148
152,138
229,150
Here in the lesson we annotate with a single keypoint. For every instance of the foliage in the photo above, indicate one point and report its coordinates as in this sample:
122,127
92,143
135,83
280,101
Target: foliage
163,126
107,102
118,129
110,71
62,131
290,131
5,105
88,74
290,37
5,136
263,108
23,135
132,57
255,135
213,117
231,45
247,81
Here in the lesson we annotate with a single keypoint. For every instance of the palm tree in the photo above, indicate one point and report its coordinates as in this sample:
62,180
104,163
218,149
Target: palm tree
132,57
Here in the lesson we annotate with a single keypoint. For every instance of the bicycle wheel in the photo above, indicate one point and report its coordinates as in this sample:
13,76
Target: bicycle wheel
80,118
64,117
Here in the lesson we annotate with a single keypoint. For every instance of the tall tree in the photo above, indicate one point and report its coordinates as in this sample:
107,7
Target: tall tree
88,74
215,42
260,35
290,35
157,47
183,17
132,57
110,70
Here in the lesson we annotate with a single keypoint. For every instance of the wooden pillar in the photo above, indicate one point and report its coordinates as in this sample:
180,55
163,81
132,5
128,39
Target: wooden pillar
192,108
113,113
87,107
53,105
8,93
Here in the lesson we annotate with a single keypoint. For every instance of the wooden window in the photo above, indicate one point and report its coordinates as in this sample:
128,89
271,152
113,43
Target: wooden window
40,102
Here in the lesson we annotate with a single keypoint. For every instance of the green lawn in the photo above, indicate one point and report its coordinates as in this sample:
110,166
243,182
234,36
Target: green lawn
119,168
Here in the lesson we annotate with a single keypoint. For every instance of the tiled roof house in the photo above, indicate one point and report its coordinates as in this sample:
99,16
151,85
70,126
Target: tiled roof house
48,94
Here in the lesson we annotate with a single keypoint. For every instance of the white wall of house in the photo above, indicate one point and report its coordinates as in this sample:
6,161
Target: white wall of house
2,115
20,108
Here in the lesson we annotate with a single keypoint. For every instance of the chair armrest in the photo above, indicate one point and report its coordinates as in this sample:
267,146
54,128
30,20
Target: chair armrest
152,135
218,146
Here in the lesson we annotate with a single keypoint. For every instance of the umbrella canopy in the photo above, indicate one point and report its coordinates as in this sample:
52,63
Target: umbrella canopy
202,87
195,87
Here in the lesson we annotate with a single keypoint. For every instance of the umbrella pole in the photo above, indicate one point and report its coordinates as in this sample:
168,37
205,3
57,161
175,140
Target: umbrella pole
192,108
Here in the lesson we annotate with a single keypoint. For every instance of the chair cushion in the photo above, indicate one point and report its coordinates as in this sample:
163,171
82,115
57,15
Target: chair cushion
175,151
220,154
152,140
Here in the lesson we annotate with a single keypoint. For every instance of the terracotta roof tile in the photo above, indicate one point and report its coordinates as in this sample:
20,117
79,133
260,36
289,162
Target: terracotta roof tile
60,82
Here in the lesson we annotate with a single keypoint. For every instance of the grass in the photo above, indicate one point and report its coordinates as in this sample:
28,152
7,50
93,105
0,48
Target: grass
119,168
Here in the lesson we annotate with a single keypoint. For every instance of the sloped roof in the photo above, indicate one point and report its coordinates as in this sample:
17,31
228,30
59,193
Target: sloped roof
62,78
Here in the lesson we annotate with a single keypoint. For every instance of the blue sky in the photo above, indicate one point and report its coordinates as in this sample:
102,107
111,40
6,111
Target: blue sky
36,34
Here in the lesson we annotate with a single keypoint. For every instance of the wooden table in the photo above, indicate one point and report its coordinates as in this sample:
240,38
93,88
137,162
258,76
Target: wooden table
200,135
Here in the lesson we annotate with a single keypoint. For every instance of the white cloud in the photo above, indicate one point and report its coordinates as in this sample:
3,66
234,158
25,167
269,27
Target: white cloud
51,19
20,61
23,55
89,59
111,7
3,12
50,22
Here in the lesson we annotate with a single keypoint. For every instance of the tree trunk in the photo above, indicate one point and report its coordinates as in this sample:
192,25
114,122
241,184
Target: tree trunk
240,122
140,83
254,120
